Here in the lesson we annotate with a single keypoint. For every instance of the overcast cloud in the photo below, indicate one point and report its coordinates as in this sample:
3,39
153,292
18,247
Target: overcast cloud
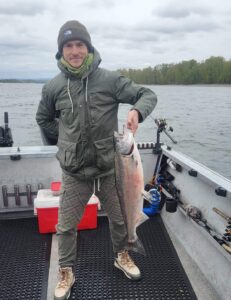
127,33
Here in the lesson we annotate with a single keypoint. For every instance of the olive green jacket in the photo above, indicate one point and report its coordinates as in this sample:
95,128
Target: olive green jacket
88,117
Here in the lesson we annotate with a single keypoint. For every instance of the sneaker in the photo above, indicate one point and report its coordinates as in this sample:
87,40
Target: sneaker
124,262
65,283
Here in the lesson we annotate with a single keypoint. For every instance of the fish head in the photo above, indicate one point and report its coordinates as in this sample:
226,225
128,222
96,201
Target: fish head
124,141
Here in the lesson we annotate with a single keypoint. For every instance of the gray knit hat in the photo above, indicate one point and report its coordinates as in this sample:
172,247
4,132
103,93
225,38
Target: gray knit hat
73,30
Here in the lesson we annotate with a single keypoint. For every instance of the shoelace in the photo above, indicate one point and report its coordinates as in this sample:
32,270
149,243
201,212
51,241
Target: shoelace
126,259
63,278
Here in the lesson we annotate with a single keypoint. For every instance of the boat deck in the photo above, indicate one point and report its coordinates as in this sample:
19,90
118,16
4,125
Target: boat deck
24,260
26,272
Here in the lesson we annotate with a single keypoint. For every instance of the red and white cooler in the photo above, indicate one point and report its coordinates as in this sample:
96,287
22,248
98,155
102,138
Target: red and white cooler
46,207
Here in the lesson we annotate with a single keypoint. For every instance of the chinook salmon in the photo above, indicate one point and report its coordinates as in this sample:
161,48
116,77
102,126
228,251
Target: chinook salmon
130,186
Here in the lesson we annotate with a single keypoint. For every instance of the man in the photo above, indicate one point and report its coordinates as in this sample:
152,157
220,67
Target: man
87,100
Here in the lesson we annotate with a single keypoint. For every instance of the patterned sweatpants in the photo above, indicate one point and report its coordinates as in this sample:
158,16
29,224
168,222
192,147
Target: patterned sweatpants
74,197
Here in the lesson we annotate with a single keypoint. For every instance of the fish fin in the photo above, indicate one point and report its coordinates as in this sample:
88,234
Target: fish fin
142,218
116,134
147,196
135,160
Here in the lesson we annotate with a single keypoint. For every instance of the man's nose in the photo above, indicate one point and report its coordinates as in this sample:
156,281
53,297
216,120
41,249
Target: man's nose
75,49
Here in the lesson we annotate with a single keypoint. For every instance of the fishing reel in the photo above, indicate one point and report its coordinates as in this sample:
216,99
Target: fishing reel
162,127
161,124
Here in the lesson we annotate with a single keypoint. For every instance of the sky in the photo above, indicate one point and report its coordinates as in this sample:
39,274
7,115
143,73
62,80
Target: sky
127,33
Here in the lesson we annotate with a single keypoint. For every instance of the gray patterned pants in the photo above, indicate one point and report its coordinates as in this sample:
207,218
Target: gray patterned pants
74,197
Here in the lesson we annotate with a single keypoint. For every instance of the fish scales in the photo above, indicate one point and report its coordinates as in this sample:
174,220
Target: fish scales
130,185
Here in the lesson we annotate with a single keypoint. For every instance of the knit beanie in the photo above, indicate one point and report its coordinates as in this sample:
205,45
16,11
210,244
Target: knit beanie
73,30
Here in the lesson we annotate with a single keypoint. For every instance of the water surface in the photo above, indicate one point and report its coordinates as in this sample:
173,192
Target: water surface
199,115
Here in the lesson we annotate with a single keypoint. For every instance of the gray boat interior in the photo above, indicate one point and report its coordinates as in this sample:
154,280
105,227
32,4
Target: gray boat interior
206,260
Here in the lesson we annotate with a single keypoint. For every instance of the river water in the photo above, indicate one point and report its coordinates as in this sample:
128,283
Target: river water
200,116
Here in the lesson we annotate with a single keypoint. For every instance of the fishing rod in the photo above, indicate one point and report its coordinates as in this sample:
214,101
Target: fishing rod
195,214
227,234
154,187
161,127
220,240
6,139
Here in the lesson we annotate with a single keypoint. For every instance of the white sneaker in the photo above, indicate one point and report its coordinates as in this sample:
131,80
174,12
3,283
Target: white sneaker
65,283
127,265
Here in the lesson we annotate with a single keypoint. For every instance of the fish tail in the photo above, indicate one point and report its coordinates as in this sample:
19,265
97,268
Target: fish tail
137,247
142,218
135,244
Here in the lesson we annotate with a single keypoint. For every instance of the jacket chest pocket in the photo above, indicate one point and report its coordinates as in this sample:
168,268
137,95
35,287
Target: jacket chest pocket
69,156
66,111
99,104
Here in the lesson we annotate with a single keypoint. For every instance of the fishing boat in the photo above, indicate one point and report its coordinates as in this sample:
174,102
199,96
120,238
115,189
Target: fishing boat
187,240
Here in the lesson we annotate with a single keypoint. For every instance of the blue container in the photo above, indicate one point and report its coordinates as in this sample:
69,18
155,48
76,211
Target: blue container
153,208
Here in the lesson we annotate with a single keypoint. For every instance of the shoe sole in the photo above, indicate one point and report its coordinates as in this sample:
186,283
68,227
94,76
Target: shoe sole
129,276
68,296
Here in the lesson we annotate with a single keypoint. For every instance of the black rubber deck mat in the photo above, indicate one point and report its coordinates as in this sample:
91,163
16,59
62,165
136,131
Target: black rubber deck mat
24,260
163,276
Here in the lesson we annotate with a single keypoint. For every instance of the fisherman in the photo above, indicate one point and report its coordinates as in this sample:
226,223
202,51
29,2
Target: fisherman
87,98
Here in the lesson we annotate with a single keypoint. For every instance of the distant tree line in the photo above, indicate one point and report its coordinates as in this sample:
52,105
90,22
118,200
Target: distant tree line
23,80
214,70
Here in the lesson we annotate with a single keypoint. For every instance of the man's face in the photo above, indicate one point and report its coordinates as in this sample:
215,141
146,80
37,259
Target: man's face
74,53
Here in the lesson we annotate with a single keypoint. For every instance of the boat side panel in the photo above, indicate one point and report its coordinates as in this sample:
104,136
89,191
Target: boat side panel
210,257
39,166
212,260
33,171
196,192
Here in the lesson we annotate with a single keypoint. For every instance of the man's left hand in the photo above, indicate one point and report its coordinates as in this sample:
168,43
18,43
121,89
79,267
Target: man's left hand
133,120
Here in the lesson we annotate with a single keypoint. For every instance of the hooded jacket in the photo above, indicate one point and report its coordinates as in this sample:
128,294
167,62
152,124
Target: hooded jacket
88,109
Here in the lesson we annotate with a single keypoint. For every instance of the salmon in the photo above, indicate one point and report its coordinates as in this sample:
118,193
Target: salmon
130,186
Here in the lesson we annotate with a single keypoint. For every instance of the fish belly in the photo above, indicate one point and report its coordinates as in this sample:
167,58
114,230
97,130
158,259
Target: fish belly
130,185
